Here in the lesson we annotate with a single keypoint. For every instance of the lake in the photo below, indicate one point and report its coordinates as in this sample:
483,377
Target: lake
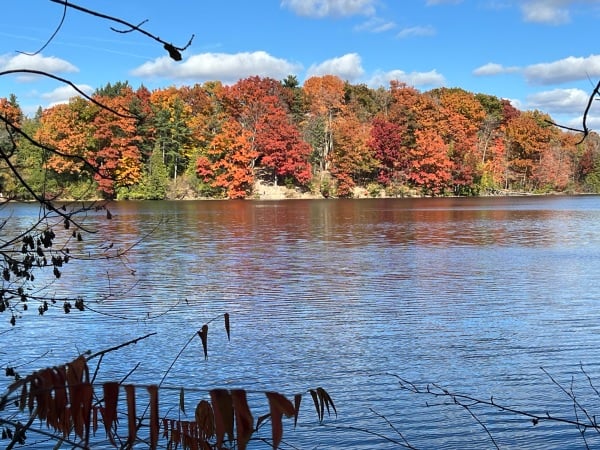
487,297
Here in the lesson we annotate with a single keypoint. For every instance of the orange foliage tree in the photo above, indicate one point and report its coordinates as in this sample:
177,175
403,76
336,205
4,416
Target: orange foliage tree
68,128
202,116
352,160
280,145
387,141
431,168
350,134
462,117
530,136
257,131
556,169
10,110
117,156
229,161
10,113
324,97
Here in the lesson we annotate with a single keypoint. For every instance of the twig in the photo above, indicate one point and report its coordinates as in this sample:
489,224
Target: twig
174,52
585,130
60,24
467,408
374,433
392,427
19,429
65,81
117,347
462,399
569,394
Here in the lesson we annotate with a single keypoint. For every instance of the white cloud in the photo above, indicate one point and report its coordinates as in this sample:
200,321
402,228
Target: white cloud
347,67
416,31
375,25
592,122
563,70
429,79
63,94
493,69
553,12
561,101
225,67
546,11
49,64
326,8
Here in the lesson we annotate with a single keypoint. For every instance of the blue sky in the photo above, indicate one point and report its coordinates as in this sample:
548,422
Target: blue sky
540,54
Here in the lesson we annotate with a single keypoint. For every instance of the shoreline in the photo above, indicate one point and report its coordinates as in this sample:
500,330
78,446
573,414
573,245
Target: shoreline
269,192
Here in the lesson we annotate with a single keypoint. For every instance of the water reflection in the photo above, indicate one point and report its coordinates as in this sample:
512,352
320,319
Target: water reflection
475,294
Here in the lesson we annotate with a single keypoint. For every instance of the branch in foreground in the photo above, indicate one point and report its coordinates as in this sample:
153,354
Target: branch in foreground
174,52
585,130
70,83
468,402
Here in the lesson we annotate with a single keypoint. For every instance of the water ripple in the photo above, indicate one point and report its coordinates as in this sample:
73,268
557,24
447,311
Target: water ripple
474,294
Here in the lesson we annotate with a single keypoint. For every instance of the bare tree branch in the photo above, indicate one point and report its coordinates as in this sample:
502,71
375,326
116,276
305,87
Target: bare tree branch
582,421
174,52
117,347
70,83
62,20
585,130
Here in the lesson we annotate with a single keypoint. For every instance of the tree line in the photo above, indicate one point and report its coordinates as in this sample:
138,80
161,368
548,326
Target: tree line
326,136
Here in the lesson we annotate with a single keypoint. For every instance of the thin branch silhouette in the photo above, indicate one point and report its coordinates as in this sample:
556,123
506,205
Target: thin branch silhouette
51,38
73,85
585,129
582,421
174,52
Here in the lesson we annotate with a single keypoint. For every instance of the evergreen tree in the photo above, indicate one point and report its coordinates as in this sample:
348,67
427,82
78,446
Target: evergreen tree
157,177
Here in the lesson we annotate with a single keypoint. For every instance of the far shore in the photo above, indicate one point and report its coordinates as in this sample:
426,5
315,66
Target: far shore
263,191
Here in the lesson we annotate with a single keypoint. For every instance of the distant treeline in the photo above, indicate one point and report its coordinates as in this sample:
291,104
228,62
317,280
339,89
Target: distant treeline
327,136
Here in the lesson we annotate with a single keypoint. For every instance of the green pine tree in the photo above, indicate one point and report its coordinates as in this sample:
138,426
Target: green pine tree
157,178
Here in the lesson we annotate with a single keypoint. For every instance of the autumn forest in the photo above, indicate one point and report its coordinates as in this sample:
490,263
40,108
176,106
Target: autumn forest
327,137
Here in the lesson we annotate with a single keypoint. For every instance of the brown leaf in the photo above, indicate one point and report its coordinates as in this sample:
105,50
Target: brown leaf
41,389
76,373
81,407
94,420
279,406
227,326
86,408
31,397
154,422
261,419
60,399
109,413
297,401
23,398
77,370
223,412
243,417
205,420
131,422
203,333
182,400
322,400
315,398
326,400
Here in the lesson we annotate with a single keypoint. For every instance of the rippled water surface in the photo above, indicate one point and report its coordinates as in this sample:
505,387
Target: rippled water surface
476,295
